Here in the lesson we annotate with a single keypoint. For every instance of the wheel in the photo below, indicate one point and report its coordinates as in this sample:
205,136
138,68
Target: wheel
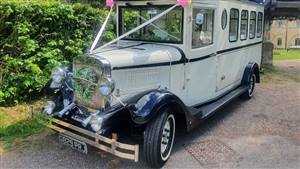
251,88
159,139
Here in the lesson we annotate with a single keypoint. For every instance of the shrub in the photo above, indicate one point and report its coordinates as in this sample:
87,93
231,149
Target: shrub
37,35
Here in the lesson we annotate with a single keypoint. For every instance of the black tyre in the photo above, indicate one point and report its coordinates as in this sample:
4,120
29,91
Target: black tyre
251,88
159,139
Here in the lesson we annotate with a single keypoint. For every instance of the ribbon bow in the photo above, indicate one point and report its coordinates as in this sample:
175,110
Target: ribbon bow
184,2
110,3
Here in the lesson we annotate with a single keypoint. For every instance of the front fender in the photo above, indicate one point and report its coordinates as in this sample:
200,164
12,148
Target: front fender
147,105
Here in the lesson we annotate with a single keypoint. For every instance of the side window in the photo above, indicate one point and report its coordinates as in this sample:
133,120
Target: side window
244,25
234,25
252,25
259,24
203,27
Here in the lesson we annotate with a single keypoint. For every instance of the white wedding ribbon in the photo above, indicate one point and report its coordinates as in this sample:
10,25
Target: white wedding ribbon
135,29
101,31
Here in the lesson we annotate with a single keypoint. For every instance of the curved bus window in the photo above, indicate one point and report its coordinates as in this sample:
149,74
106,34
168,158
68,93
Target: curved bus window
224,19
234,25
252,25
259,24
244,25
203,27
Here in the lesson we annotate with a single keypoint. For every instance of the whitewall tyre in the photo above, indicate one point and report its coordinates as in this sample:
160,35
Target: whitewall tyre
159,139
250,87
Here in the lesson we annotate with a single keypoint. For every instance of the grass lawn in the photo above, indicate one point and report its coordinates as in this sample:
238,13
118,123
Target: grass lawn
17,122
281,54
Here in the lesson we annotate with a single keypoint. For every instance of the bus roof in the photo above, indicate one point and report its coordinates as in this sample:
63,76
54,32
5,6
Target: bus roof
250,1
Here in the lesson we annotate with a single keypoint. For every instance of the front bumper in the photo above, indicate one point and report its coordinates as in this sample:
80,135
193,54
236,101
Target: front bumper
122,150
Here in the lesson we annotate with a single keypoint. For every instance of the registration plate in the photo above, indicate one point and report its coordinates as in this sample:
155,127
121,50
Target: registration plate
75,144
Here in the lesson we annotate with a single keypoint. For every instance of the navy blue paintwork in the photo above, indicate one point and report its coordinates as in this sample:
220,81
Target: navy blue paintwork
251,68
147,106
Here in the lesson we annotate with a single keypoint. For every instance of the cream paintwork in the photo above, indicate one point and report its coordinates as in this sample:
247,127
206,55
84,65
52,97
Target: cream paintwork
193,82
139,54
133,81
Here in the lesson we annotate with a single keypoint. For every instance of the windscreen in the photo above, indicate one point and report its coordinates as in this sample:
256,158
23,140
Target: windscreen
167,29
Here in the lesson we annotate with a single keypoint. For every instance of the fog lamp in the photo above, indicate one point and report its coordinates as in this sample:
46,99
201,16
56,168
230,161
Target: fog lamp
107,86
96,123
49,107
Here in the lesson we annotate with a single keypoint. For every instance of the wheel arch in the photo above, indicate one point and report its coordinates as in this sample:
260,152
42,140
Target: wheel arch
147,106
251,68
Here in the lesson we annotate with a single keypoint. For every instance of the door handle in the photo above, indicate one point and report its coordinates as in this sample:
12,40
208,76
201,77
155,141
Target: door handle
214,54
223,77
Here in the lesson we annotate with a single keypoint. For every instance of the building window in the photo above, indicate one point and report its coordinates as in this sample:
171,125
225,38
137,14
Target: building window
298,23
259,24
297,42
224,19
279,41
234,25
281,24
252,25
203,27
244,25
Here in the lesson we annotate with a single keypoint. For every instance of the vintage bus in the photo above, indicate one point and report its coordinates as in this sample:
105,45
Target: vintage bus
174,64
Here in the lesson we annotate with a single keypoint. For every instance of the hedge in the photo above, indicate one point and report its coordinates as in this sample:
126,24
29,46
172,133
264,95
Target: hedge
37,35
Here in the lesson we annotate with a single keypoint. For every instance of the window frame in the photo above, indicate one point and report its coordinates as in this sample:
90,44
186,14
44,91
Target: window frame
247,28
259,34
238,23
255,19
213,28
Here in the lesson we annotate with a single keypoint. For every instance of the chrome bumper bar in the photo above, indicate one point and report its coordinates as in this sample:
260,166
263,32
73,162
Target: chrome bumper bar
122,150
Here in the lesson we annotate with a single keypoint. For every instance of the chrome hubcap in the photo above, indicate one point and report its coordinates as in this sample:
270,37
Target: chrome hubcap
167,137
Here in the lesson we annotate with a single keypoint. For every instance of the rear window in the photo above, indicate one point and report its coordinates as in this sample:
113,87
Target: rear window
259,24
252,25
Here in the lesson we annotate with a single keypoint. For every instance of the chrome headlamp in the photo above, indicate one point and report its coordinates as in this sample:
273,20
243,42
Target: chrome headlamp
58,76
106,87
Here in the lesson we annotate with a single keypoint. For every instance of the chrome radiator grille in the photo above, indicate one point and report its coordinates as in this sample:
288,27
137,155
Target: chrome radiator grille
85,82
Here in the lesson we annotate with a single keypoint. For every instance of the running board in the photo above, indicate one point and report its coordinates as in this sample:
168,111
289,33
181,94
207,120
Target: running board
209,109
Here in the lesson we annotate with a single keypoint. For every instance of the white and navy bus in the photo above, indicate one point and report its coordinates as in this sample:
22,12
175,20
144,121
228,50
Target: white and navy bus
174,64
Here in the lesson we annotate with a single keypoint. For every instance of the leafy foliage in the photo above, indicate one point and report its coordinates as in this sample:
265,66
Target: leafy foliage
37,35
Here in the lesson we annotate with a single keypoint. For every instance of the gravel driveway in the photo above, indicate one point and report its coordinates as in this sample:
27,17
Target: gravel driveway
261,133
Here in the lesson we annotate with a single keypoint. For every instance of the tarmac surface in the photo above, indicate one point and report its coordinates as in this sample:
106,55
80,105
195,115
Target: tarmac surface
263,132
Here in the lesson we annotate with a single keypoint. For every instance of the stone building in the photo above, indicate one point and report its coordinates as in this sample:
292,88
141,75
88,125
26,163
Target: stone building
285,34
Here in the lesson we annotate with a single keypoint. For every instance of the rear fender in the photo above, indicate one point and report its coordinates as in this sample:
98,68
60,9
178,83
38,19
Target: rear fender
251,68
